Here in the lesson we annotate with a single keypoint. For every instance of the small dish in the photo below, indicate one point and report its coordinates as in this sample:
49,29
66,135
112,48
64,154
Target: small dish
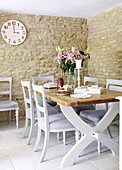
50,85
62,92
57,94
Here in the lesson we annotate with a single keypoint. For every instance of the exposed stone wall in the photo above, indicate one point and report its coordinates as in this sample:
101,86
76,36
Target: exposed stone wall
35,57
105,41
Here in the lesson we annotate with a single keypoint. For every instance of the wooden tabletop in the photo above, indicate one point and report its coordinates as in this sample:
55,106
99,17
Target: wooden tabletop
105,97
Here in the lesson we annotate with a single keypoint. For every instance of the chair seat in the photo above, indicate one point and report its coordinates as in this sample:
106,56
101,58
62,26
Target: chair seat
8,105
92,115
78,109
57,121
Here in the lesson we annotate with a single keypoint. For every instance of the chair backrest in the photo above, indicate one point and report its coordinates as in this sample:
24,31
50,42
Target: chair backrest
7,84
113,84
35,79
41,108
27,93
91,79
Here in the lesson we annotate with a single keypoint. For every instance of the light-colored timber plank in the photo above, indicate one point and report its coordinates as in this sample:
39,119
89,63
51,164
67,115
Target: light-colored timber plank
105,97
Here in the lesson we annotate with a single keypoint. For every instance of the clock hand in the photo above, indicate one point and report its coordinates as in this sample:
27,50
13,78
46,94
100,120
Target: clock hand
13,29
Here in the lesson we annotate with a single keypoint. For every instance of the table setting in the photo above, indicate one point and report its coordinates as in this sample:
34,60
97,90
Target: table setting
80,92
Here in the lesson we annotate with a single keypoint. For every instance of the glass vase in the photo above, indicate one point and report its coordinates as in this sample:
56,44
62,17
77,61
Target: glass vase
71,78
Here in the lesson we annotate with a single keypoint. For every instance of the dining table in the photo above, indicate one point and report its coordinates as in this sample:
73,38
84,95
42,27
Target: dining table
90,133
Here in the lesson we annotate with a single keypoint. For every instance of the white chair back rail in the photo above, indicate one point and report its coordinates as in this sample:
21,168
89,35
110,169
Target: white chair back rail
113,84
91,79
38,81
35,79
43,108
27,97
9,92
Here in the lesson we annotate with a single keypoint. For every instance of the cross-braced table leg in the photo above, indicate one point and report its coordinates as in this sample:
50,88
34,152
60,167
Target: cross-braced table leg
90,133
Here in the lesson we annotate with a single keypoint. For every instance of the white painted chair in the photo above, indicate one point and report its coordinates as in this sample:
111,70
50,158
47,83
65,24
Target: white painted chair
91,79
94,116
30,110
38,81
78,109
94,80
45,78
48,123
8,105
115,85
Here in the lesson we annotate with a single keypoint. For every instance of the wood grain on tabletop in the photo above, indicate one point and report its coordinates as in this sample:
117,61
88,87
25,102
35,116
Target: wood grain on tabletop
105,97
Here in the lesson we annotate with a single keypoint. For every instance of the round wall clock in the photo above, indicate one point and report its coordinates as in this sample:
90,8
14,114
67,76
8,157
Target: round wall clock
13,32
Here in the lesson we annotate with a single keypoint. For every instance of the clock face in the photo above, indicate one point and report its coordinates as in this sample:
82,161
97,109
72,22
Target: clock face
13,32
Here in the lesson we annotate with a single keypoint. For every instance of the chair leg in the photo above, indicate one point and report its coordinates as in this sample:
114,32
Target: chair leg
109,132
99,147
45,146
64,138
26,126
37,139
58,136
31,132
99,143
10,116
77,135
17,117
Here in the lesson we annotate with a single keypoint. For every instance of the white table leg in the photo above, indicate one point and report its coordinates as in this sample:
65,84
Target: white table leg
90,133
71,156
